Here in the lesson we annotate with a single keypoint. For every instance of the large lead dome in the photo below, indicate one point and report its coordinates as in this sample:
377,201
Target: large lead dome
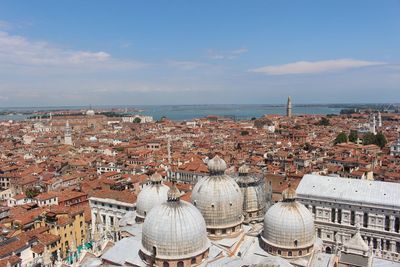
151,196
220,201
288,228
175,231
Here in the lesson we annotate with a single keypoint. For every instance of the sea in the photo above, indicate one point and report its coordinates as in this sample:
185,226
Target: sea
187,112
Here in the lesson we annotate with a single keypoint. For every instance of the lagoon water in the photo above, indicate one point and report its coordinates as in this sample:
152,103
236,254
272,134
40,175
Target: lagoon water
188,112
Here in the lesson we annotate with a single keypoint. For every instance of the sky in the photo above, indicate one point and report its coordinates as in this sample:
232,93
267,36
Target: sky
98,52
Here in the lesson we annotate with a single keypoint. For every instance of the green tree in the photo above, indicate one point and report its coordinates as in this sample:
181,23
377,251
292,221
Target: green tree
368,139
244,132
341,138
324,122
137,120
353,136
380,140
32,192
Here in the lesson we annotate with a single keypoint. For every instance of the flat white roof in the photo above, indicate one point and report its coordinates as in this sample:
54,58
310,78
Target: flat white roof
338,189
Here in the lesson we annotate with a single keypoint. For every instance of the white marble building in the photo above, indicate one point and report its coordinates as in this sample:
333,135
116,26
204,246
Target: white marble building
108,212
339,204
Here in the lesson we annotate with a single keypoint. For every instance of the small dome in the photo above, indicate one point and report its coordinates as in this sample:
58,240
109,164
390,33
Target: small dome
219,199
289,225
151,196
174,230
156,177
289,194
90,112
244,169
174,194
216,165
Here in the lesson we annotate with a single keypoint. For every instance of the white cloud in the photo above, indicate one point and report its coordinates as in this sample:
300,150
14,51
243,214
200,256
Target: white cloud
227,54
19,51
301,67
186,65
240,51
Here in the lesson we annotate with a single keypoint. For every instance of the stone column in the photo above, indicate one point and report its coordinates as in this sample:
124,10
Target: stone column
336,215
391,223
393,246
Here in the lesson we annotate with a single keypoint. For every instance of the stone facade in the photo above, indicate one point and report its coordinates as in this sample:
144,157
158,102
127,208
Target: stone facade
337,220
110,212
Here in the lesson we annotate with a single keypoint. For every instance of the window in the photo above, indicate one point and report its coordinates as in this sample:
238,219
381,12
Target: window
365,220
289,253
300,253
352,217
279,252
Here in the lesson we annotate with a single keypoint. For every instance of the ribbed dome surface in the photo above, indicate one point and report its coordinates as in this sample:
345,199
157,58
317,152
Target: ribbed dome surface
218,197
255,198
289,225
176,229
151,195
253,190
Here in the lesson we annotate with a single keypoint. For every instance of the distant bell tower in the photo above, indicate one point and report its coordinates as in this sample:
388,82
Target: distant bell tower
289,107
379,119
67,134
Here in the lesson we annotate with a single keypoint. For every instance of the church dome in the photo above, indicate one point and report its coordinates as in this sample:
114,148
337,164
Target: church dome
289,227
254,195
90,112
151,195
175,230
219,199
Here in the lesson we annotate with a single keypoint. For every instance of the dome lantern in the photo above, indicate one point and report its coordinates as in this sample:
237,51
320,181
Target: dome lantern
216,166
174,194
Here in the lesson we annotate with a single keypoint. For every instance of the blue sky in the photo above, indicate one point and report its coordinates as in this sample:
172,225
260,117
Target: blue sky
198,52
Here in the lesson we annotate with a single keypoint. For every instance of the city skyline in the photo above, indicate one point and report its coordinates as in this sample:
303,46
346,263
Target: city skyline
99,53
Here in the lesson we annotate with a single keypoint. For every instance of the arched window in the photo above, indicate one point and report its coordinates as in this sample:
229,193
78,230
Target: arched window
193,261
180,264
154,251
300,252
165,264
328,250
295,243
279,252
290,254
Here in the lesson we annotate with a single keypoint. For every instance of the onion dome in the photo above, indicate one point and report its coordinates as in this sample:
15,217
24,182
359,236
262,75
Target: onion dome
219,199
151,195
216,165
254,195
174,230
288,227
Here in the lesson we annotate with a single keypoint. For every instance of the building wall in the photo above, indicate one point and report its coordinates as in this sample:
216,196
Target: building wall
379,225
111,211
